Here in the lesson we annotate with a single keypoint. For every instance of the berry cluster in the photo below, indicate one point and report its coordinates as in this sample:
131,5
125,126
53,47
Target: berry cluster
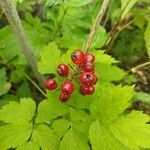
85,71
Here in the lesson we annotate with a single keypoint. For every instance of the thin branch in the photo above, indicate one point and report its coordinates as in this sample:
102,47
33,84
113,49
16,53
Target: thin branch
134,69
11,13
34,83
95,26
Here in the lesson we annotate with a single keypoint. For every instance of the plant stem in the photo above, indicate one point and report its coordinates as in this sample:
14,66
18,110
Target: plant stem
11,13
139,66
95,26
38,88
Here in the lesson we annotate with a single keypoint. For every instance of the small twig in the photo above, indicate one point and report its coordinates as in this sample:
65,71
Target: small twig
38,88
11,13
95,26
134,69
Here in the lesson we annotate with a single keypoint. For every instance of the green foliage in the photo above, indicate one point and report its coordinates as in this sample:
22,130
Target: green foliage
4,85
100,121
126,5
49,59
141,96
147,38
129,46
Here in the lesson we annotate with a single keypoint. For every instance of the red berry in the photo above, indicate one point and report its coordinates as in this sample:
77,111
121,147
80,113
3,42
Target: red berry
89,67
63,70
87,90
95,79
77,57
87,78
51,84
64,97
88,57
67,87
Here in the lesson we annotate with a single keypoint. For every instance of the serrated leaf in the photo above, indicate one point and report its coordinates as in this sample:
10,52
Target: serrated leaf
44,137
14,135
73,141
4,85
29,146
100,38
102,138
15,111
108,73
49,61
133,130
60,127
111,103
50,109
100,57
147,38
126,6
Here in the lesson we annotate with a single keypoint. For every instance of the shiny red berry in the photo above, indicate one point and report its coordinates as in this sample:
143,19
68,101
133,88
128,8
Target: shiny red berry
51,84
63,70
88,57
77,57
87,90
89,67
95,79
64,97
87,78
67,87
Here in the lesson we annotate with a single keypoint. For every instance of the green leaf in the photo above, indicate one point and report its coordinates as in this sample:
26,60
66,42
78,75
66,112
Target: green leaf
126,6
147,38
49,61
101,37
15,111
141,96
24,90
79,115
15,134
111,103
73,141
102,138
108,73
50,109
78,3
60,127
133,130
100,57
29,146
4,85
44,137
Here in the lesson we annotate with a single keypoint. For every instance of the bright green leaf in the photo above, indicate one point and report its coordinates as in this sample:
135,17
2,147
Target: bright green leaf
111,103
44,137
14,135
29,146
50,57
102,138
133,130
15,111
50,109
61,126
73,141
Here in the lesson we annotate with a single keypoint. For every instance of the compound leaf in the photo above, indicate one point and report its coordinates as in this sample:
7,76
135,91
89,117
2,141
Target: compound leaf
15,111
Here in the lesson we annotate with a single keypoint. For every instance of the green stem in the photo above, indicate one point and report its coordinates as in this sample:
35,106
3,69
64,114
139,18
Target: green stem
38,88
